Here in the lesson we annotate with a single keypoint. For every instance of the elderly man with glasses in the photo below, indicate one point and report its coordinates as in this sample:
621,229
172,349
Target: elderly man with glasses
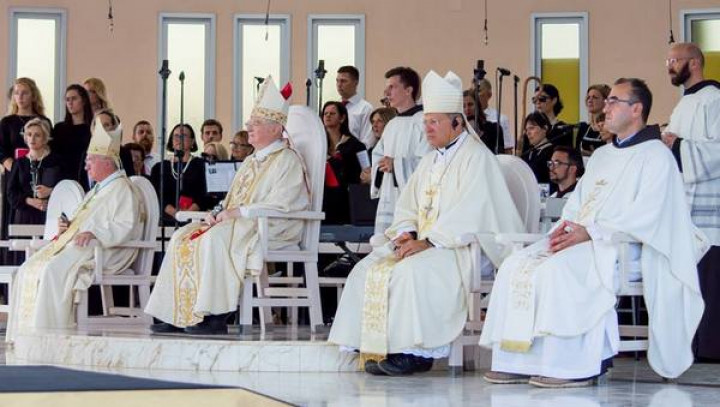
693,135
201,276
552,321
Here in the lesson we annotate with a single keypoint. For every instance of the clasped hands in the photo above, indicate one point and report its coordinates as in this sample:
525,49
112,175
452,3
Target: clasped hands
225,214
406,245
567,234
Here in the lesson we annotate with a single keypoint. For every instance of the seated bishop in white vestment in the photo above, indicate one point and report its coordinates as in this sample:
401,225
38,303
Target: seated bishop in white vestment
407,300
551,319
44,288
201,276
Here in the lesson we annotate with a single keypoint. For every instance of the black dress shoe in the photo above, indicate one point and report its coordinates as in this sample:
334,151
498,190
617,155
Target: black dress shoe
398,364
164,328
210,325
371,367
422,364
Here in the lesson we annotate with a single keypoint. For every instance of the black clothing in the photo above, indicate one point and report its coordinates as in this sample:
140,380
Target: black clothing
561,134
342,169
11,134
70,142
588,139
192,187
20,188
706,344
537,158
561,194
646,134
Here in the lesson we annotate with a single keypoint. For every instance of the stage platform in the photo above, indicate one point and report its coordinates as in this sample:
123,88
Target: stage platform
279,349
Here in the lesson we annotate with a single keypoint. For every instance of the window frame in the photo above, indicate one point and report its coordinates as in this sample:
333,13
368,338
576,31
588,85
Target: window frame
688,16
60,16
358,20
210,61
285,22
536,20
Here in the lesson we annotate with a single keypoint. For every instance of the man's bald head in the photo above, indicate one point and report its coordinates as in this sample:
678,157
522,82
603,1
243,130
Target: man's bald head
690,50
685,63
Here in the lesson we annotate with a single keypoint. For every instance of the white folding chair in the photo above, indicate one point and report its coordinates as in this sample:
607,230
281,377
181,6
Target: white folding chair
137,275
307,136
523,188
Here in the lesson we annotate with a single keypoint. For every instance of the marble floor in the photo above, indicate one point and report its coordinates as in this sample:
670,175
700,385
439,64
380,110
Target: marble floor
630,383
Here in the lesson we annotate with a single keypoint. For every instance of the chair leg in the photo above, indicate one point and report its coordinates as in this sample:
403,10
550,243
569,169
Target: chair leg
108,302
82,309
245,305
293,310
264,311
455,361
312,283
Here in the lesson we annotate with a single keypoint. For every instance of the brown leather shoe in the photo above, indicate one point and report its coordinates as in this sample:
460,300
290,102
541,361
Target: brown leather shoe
555,383
505,378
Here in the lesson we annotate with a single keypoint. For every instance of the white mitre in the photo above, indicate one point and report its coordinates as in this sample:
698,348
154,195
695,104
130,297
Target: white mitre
442,95
105,143
270,103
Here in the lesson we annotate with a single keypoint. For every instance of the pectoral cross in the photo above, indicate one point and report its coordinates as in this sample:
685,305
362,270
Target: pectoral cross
430,193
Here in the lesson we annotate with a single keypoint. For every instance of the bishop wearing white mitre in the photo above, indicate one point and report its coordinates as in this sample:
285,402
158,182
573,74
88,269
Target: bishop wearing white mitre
201,276
407,300
111,214
551,319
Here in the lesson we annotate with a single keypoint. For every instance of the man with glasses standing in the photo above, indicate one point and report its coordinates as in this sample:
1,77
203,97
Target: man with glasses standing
565,167
693,135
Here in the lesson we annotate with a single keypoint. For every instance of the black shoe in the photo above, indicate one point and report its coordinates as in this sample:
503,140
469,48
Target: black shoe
422,364
371,367
398,364
210,325
164,328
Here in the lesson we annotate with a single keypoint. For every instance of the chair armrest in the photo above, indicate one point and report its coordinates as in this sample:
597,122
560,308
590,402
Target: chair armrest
25,244
506,238
195,216
271,213
470,238
620,237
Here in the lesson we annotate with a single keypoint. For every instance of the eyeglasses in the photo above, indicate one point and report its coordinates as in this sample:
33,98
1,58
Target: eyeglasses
541,99
612,100
556,163
673,61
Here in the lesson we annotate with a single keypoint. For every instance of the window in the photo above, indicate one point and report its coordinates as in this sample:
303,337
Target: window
37,51
559,57
703,28
338,41
260,51
188,43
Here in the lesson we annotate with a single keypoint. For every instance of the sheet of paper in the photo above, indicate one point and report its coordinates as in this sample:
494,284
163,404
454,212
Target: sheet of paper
363,159
219,176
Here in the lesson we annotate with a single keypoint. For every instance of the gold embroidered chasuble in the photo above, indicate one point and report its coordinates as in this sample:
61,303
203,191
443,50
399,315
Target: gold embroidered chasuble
202,273
44,287
389,306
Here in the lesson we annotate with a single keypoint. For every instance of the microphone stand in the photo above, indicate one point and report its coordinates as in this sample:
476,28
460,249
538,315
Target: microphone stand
516,80
320,76
478,75
179,154
498,101
308,84
164,74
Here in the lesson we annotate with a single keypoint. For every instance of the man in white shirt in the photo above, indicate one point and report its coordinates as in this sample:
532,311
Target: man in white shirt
491,114
358,108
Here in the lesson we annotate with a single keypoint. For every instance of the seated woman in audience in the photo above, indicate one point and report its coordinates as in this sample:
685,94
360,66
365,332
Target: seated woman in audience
183,167
589,133
537,128
343,166
215,151
240,146
605,135
547,101
71,137
98,94
33,176
25,104
378,119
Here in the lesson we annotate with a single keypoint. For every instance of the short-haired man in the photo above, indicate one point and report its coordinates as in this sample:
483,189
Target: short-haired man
405,302
402,145
144,135
201,276
110,214
565,167
551,321
693,135
491,114
211,130
358,108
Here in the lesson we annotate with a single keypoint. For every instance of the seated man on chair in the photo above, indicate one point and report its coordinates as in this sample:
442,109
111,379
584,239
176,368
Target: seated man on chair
110,213
551,319
407,300
201,276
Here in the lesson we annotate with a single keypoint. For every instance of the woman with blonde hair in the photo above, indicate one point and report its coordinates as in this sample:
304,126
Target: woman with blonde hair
25,104
98,94
589,132
215,151
33,176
